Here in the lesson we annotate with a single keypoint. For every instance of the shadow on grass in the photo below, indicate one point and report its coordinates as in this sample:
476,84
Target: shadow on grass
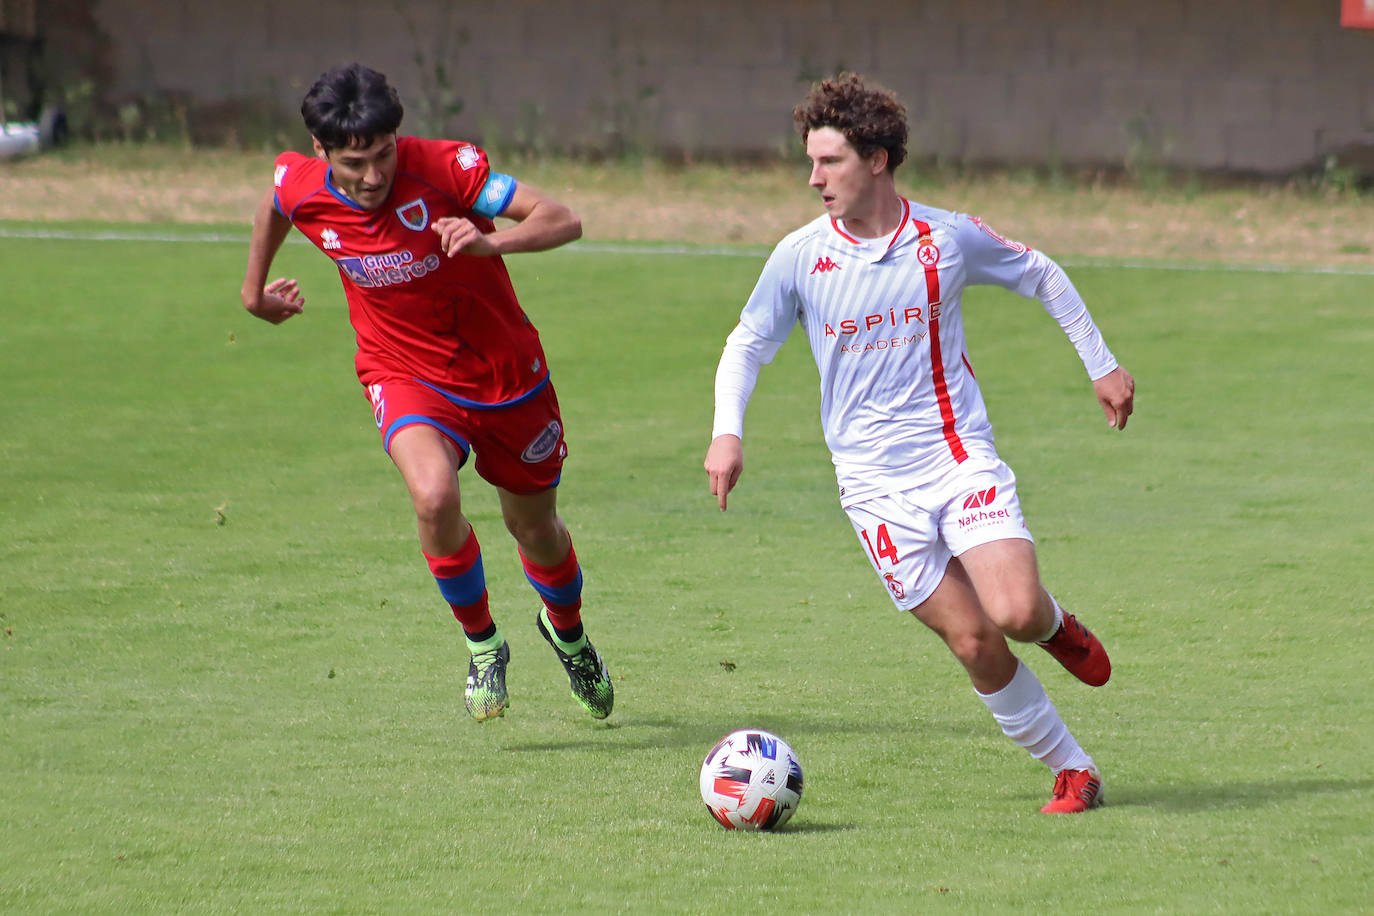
620,734
794,826
1211,796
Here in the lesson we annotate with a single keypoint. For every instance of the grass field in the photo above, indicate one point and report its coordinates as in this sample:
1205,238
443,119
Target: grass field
227,682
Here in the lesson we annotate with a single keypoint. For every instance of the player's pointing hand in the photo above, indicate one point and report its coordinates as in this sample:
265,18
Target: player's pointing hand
724,463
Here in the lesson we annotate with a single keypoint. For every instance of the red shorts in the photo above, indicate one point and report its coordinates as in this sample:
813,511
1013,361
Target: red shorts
519,446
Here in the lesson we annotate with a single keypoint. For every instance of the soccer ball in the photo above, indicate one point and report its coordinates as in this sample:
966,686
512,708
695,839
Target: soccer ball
751,779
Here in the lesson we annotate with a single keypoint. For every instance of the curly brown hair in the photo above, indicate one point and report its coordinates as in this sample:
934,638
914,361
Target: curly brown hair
870,117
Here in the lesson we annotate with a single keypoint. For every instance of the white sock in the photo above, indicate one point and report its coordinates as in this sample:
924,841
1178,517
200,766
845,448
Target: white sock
1026,715
1056,623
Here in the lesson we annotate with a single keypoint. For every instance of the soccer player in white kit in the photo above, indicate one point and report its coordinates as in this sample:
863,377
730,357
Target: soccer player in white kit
876,284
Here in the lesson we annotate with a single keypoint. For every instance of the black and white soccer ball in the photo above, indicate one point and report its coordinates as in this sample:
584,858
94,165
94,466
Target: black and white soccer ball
751,780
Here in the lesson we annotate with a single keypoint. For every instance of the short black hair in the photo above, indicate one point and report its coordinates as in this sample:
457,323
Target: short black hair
351,105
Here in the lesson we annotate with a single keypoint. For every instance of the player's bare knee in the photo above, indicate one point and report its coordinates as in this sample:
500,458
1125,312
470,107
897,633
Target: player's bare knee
1016,615
536,535
975,649
434,503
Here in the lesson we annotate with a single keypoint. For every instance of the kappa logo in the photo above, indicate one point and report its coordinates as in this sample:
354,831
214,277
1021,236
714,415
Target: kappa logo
329,240
980,498
824,265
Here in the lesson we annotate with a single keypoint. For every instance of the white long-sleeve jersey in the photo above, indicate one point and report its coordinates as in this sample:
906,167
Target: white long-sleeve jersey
899,401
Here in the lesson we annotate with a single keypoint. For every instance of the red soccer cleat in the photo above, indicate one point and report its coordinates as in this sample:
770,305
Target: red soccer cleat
1079,651
1074,791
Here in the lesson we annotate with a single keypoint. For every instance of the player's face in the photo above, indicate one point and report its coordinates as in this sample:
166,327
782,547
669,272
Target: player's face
846,181
364,173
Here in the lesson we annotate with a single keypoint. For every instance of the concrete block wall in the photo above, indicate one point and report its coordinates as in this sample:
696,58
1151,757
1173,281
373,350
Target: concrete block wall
1253,85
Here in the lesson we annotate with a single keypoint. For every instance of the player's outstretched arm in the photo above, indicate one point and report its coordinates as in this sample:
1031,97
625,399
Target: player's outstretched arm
280,299
1116,393
724,464
541,223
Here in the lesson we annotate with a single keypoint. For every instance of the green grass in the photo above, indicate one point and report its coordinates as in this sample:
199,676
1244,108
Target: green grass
227,683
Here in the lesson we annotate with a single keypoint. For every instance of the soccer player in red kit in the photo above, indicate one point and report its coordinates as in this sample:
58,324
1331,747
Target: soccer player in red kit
451,364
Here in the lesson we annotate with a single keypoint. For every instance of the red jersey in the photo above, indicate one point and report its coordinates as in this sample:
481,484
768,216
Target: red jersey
450,322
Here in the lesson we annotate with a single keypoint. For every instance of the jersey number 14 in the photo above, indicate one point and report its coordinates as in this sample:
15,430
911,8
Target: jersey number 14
886,549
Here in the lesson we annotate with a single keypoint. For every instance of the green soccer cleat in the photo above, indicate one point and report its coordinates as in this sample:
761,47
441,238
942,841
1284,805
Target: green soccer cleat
587,674
485,694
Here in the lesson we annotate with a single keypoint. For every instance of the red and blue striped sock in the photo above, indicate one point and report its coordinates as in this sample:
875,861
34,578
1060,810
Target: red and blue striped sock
464,586
561,589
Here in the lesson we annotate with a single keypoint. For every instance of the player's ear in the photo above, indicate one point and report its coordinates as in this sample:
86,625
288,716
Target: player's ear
877,163
319,148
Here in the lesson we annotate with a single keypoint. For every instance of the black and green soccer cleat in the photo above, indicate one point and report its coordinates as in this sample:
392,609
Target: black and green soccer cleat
485,694
587,674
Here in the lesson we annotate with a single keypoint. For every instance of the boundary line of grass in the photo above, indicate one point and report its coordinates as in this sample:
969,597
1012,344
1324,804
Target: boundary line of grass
667,248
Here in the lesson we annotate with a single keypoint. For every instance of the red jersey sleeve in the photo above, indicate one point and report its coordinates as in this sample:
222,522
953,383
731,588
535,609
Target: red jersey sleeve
461,170
296,178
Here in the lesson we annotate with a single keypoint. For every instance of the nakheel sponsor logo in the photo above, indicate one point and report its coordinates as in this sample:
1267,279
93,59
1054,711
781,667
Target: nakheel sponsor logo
980,500
543,445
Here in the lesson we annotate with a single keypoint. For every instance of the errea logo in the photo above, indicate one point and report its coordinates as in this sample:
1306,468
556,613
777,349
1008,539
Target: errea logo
824,265
468,156
329,240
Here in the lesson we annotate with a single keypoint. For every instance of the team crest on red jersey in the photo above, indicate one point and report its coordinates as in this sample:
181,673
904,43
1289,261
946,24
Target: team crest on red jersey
414,215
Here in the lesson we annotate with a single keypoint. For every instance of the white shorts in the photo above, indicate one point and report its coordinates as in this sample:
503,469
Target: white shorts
910,536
